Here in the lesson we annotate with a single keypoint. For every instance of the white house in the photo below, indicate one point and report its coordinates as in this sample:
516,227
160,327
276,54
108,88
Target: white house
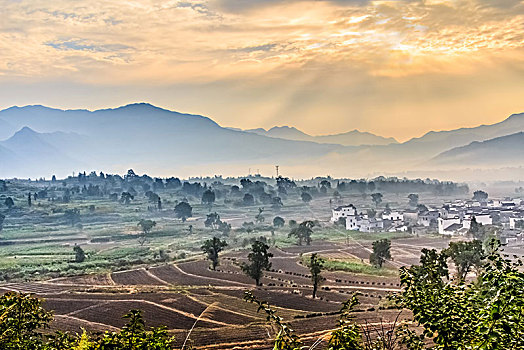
343,212
393,216
443,224
425,219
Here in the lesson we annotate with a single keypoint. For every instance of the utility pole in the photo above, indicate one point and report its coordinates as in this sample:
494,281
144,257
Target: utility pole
276,166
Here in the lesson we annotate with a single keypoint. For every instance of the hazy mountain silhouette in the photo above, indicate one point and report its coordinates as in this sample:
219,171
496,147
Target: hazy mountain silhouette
500,151
351,138
6,130
148,137
30,154
157,140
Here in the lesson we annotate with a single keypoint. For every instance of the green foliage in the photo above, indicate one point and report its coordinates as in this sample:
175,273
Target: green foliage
278,221
376,198
9,203
211,248
466,255
72,216
347,336
258,261
80,255
286,339
487,314
480,195
303,232
208,197
306,197
315,268
21,319
183,211
381,252
413,199
146,225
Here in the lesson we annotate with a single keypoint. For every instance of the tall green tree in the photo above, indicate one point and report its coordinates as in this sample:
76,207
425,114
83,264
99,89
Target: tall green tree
306,197
377,198
80,255
212,247
9,203
278,221
315,268
208,198
381,252
465,256
413,199
2,219
303,232
183,210
146,225
72,216
258,261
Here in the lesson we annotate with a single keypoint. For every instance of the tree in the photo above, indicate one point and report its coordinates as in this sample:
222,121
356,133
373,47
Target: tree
315,267
376,198
211,248
258,260
2,218
278,221
248,200
476,229
480,195
80,255
213,220
259,218
22,317
306,197
126,198
72,216
29,199
465,255
9,203
413,199
208,198
183,211
482,315
303,232
381,252
146,226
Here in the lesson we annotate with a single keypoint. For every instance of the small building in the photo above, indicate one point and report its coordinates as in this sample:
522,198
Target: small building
343,212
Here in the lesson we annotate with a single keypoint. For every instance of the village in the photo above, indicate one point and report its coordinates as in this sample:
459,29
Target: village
501,217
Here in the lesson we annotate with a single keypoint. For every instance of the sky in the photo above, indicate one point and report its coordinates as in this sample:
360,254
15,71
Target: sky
395,68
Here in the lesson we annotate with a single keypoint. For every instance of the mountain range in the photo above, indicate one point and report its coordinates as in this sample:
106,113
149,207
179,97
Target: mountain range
164,143
351,138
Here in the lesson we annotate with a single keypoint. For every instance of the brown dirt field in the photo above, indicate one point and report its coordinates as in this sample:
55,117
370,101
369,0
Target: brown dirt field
134,277
92,279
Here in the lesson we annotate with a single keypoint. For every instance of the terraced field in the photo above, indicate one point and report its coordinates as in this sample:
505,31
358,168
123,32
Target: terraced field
190,295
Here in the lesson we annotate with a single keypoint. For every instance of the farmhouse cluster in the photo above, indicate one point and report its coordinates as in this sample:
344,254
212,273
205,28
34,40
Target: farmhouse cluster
454,218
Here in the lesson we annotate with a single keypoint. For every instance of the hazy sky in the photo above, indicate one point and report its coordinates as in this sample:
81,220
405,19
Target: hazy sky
396,68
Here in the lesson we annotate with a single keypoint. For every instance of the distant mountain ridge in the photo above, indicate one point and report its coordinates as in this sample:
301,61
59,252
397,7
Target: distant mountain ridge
350,138
501,151
142,136
6,129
